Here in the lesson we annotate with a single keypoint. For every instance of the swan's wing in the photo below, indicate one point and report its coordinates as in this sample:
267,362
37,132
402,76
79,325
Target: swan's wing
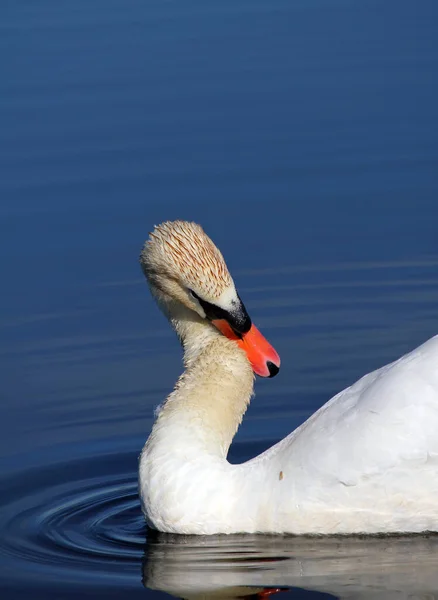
377,438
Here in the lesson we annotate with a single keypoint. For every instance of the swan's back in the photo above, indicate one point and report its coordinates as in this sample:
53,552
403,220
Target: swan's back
373,445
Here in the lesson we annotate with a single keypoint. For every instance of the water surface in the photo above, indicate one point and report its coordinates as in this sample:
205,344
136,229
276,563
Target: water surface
303,136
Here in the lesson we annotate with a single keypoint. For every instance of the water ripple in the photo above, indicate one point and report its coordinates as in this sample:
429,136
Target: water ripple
75,516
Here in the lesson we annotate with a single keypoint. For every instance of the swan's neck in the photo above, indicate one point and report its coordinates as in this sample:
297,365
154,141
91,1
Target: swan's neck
211,396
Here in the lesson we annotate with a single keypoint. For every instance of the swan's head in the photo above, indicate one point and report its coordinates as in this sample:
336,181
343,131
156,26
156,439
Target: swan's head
183,266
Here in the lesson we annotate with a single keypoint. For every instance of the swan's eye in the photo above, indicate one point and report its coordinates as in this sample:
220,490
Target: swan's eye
193,295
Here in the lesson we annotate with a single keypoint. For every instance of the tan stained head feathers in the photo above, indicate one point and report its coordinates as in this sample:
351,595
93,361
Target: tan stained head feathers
180,252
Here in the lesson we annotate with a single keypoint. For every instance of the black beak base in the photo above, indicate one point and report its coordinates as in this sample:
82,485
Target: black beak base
237,318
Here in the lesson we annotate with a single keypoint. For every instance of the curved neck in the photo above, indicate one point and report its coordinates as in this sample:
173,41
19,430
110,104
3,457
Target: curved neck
211,396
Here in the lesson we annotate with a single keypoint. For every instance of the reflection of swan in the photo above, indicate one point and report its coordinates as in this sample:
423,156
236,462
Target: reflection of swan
367,461
221,567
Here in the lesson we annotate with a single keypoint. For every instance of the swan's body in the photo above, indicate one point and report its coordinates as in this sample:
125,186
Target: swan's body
366,462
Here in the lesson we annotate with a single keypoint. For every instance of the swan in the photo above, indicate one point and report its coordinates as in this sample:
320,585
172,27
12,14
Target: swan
366,462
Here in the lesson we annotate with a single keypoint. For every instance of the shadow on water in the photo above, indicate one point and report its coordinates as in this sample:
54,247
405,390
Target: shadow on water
78,527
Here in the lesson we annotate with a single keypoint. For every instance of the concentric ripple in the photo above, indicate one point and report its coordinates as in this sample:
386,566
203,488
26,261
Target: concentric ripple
78,517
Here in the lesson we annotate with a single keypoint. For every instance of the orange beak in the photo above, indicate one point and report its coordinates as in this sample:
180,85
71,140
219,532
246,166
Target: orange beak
262,356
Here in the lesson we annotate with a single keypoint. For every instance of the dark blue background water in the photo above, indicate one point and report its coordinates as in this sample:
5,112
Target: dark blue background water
303,136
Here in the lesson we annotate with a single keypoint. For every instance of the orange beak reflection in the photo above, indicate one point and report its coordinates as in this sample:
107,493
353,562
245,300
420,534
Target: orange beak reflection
262,356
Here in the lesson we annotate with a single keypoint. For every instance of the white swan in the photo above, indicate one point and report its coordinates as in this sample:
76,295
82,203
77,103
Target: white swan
366,462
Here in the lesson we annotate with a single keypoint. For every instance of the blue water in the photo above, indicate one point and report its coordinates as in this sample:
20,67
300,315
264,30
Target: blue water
303,136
